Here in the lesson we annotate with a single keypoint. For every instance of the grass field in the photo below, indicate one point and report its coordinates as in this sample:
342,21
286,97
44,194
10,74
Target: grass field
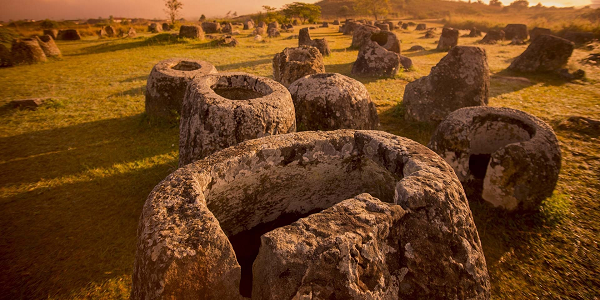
75,173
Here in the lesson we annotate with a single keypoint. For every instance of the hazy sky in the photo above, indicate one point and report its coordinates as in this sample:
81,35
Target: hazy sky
75,9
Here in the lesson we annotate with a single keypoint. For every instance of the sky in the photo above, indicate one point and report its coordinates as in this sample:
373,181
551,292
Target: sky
192,9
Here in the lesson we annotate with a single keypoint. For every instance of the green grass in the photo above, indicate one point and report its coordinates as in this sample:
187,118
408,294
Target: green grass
75,173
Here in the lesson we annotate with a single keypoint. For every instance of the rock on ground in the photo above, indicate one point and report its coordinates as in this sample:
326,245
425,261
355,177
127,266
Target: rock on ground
374,60
155,28
362,34
27,51
224,109
211,27
51,32
227,41
167,84
460,79
448,39
5,56
69,35
49,47
387,40
321,44
518,31
191,32
191,233
546,54
332,101
493,37
504,156
421,27
294,63
537,31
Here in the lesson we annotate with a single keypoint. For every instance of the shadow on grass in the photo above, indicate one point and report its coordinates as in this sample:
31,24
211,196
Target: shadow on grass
246,64
47,155
62,239
133,92
421,53
392,120
118,45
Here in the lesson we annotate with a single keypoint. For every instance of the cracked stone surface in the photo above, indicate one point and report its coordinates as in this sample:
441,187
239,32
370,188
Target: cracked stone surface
547,53
294,63
332,101
187,245
224,109
460,79
374,60
167,84
448,39
504,156
362,34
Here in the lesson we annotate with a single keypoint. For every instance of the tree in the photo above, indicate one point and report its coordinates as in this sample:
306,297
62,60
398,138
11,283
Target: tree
111,19
235,14
202,18
520,4
375,8
304,11
172,9
495,3
344,11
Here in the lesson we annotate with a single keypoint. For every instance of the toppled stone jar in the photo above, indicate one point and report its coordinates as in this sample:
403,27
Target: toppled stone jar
546,53
167,83
460,79
200,229
507,157
375,60
224,109
294,63
332,101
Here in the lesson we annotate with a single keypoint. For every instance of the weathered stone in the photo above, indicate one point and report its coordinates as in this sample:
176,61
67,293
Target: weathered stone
110,31
5,56
321,44
518,31
352,246
259,31
391,25
101,33
224,109
167,84
295,22
429,35
416,48
155,28
493,37
30,104
474,32
460,79
51,32
69,35
227,41
362,34
412,23
249,24
200,228
406,62
49,47
227,28
27,51
273,24
211,27
295,63
387,40
273,33
336,22
507,157
517,42
421,27
374,60
537,31
332,101
166,27
547,53
325,25
405,26
448,39
191,32
131,32
258,38
262,24
566,75
385,27
579,38
350,27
